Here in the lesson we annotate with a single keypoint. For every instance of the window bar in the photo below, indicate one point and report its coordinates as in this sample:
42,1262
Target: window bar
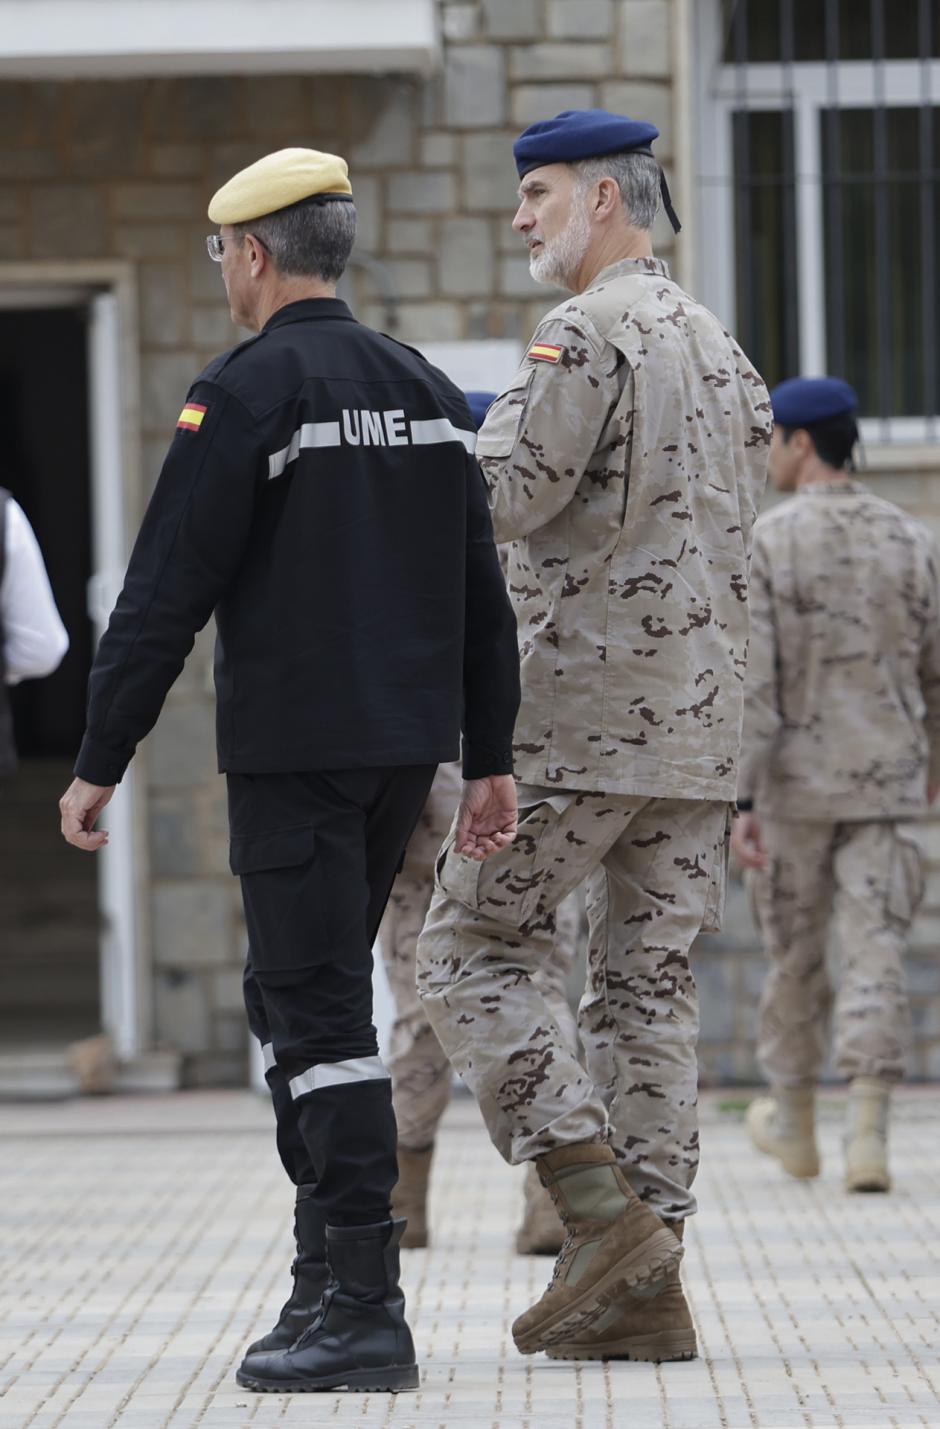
742,147
883,367
791,349
928,191
833,200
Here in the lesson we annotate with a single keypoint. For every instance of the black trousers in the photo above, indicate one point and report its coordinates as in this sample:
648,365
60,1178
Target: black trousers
317,855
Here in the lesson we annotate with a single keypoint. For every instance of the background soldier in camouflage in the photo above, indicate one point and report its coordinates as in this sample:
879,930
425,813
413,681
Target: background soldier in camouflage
625,463
842,742
420,1071
419,1068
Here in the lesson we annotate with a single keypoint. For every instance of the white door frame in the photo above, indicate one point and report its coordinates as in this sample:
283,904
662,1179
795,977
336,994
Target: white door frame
107,291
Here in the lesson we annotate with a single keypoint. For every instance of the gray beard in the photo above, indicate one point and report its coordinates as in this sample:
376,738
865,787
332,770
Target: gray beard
559,259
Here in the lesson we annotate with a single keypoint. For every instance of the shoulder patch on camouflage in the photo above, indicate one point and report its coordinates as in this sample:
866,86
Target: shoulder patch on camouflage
545,352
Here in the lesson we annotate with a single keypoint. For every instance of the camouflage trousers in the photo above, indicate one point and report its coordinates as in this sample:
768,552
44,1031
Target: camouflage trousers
420,1071
866,879
655,872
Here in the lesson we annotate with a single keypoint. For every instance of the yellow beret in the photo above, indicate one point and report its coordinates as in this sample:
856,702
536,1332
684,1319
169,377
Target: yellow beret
276,181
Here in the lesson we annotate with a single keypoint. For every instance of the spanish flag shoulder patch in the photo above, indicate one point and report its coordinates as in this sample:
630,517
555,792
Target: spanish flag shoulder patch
191,417
545,352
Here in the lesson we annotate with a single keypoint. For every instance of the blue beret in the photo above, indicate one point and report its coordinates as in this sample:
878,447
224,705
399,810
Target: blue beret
479,403
580,134
800,401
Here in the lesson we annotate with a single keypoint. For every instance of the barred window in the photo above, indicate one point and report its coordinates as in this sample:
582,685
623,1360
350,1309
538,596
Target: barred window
819,138
758,31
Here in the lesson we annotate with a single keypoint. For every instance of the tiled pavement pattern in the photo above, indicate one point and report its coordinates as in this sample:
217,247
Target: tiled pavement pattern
143,1242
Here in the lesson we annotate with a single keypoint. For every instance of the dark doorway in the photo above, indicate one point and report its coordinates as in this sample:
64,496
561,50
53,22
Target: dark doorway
49,992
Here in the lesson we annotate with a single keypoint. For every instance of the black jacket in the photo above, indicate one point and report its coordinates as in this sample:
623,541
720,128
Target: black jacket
320,496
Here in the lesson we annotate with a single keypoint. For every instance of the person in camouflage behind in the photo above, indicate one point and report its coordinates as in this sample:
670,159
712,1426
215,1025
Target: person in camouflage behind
420,1071
841,747
625,463
421,1074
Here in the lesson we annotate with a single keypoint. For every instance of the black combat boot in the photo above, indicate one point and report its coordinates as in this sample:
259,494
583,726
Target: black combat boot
360,1340
311,1276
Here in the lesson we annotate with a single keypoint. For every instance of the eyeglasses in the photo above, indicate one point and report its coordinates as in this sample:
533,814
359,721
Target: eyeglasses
215,245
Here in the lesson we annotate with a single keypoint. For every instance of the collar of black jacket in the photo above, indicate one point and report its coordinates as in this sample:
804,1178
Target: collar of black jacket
308,308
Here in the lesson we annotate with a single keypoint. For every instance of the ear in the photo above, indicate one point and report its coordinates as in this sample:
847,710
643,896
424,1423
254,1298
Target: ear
257,257
607,201
803,444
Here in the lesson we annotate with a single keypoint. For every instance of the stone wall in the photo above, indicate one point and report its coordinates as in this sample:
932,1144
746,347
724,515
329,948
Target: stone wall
125,169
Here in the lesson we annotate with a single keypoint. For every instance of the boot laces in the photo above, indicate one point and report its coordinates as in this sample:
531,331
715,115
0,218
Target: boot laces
567,1243
561,1258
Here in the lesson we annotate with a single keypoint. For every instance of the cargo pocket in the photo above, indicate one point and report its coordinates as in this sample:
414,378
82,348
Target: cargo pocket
718,882
286,902
278,848
457,875
514,884
905,879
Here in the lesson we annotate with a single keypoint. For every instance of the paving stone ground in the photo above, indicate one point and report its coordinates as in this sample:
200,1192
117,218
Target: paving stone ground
144,1241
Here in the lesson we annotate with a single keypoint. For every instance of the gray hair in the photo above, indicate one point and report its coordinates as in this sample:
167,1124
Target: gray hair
636,175
308,239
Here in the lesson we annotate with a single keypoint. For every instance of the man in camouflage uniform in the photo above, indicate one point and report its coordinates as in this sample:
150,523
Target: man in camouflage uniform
625,464
841,744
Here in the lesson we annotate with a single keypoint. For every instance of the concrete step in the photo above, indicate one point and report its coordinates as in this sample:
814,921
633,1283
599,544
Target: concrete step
26,1001
40,907
45,1073
151,1072
40,912
39,1074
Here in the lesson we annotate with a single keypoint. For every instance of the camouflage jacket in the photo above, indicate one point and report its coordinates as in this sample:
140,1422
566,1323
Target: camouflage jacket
625,463
842,709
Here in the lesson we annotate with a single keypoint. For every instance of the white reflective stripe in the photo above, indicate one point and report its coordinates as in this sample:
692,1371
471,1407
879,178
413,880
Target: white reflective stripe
439,429
267,1052
327,434
311,434
335,1074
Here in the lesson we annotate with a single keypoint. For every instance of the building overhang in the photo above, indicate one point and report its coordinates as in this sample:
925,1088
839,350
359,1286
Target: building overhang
121,39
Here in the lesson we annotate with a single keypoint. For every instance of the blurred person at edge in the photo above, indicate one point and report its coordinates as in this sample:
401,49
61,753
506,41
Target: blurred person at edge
33,640
421,1073
321,497
841,749
625,464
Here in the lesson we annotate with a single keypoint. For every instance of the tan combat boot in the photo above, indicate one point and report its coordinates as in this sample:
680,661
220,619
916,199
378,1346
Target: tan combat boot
650,1325
866,1138
784,1125
541,1231
410,1196
613,1243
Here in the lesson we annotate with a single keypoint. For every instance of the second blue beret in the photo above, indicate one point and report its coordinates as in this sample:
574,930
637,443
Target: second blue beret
800,401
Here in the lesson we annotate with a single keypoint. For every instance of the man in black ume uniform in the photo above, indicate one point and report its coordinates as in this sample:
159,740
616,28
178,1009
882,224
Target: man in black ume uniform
321,498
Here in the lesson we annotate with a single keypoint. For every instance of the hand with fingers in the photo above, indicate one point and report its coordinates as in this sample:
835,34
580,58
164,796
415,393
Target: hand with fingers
80,806
486,818
747,842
